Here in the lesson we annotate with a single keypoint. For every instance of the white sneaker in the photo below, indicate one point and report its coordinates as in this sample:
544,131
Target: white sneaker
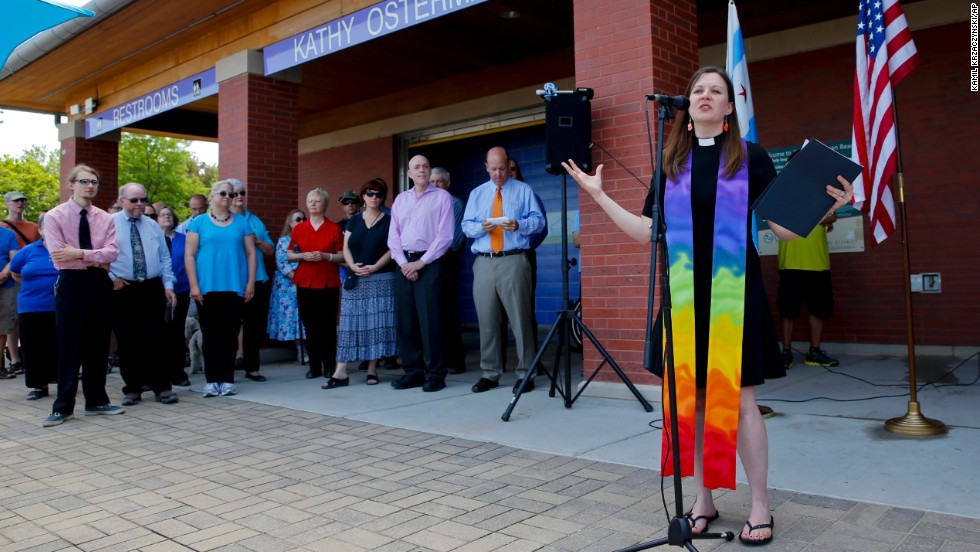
228,389
211,390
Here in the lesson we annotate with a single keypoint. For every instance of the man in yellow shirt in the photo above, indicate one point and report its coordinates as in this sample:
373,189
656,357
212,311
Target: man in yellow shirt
804,278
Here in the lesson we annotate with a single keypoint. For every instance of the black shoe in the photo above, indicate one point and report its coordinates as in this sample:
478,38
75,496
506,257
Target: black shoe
528,387
484,385
408,382
389,363
311,375
183,383
333,383
255,377
433,385
131,399
167,397
36,394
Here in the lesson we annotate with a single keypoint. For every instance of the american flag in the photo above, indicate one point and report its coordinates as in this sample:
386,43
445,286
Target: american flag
885,55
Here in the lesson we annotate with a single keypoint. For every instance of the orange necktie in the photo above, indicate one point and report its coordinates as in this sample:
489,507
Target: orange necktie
497,234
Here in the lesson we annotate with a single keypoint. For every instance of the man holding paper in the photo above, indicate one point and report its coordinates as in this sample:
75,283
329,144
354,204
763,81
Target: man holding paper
500,216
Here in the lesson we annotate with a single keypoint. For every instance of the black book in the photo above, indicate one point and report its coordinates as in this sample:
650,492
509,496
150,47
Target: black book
797,198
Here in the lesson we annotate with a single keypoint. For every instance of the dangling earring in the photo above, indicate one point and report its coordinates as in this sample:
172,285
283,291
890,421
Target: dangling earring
725,128
690,124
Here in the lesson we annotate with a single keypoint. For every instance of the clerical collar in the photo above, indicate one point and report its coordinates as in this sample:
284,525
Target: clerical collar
706,141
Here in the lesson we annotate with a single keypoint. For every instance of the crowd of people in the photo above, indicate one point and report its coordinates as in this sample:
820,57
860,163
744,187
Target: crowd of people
367,289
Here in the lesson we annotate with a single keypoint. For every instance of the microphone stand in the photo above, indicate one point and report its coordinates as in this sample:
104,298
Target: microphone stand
679,530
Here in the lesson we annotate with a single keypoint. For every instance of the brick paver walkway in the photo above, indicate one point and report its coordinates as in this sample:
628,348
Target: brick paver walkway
230,475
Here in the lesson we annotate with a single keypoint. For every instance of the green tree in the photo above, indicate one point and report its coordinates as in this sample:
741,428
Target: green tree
166,167
36,173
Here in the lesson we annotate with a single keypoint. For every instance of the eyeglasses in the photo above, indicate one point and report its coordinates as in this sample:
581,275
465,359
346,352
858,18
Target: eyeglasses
21,200
299,219
372,193
87,182
165,214
347,202
137,199
241,194
232,195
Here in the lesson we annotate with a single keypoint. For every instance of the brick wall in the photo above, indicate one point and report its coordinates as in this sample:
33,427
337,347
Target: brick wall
101,155
347,168
810,95
623,53
257,133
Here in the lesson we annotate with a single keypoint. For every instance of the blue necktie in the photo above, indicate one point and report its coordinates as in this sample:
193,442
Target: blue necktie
139,259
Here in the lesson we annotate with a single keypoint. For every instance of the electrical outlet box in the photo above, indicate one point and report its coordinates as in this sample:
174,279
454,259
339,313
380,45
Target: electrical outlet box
932,282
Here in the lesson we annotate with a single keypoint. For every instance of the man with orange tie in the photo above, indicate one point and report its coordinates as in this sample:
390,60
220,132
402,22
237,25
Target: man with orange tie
500,216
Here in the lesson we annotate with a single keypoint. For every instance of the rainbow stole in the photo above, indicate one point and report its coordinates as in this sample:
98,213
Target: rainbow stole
727,314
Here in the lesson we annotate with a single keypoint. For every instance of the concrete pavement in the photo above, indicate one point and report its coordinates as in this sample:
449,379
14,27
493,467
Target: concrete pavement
285,465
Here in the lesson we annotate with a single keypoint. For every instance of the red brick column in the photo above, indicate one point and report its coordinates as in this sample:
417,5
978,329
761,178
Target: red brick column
258,136
624,50
102,154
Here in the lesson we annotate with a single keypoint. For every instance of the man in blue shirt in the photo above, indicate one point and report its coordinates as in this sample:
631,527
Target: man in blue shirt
501,216
455,358
256,311
142,283
8,294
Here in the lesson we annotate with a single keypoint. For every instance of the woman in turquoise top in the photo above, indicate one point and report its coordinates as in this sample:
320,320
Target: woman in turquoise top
220,261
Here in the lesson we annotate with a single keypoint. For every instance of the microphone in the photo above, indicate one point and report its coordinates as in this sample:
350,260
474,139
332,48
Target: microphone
680,102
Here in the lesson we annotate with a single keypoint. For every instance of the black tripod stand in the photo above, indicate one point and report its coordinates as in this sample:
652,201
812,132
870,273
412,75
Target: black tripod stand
561,373
679,530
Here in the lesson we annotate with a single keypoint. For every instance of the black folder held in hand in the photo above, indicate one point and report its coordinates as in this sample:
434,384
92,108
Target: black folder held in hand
797,198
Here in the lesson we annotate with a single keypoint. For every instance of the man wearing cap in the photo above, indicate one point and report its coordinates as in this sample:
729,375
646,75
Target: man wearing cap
26,232
351,204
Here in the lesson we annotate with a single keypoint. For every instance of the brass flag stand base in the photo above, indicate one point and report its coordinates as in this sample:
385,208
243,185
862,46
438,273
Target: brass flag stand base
914,424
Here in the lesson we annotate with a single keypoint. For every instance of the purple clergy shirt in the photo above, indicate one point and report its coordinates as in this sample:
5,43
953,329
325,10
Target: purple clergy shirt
421,223
61,230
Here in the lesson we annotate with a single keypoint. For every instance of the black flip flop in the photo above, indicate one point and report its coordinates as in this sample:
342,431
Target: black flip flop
333,383
693,520
759,542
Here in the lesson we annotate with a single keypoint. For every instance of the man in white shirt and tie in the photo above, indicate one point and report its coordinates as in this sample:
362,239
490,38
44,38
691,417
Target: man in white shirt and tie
142,283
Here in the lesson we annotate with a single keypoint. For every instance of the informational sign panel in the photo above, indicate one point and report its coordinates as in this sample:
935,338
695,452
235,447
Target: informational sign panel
361,26
170,97
848,233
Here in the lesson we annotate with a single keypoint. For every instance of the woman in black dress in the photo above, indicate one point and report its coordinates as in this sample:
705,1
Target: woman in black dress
703,132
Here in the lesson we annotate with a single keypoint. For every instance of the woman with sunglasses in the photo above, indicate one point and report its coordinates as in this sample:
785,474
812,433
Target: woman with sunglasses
368,329
220,261
284,324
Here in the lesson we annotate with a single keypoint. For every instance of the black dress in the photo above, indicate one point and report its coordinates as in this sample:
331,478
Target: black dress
760,347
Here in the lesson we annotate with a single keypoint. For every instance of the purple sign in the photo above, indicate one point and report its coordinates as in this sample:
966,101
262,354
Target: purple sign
170,97
355,28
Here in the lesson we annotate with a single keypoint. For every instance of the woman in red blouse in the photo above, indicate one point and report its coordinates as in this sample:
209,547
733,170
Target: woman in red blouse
315,244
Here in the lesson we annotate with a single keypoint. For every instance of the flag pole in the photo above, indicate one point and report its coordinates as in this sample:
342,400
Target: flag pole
913,423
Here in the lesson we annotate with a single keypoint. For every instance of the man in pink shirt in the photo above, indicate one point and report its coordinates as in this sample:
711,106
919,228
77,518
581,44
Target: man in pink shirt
82,241
421,232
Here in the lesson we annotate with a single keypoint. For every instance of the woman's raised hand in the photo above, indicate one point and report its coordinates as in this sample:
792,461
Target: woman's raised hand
592,184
